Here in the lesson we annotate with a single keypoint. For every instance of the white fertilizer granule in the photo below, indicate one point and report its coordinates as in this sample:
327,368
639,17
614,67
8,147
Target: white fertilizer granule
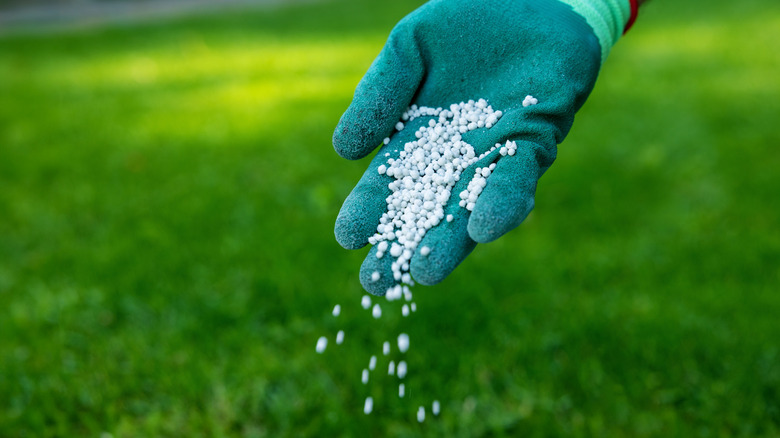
421,414
403,342
372,363
435,408
400,370
340,337
386,348
365,302
322,344
337,310
391,368
368,406
364,376
376,311
401,390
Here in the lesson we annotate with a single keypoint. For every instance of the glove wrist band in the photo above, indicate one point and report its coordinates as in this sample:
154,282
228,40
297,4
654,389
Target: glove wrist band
607,18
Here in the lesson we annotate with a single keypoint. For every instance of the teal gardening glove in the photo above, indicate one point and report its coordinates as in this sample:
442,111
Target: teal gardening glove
449,51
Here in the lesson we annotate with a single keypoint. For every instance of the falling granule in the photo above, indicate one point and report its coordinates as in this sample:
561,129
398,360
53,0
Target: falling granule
391,368
368,406
414,307
401,369
386,348
322,344
337,310
403,342
401,390
376,311
365,302
340,337
405,310
421,414
435,408
372,363
364,377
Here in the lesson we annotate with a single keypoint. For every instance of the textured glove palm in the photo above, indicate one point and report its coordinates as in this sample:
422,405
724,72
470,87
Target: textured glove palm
450,51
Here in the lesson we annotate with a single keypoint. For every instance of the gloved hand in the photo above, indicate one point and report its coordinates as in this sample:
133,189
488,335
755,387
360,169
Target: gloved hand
450,51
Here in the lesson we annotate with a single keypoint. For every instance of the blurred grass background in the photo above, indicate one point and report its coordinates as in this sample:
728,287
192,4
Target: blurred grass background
167,261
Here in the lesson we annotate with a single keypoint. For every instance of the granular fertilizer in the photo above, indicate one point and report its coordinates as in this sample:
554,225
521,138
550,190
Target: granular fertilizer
422,178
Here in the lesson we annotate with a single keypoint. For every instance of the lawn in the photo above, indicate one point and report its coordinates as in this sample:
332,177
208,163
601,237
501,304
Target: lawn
167,259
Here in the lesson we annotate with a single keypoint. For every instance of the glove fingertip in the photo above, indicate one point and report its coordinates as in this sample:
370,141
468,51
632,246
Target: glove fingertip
441,261
375,274
377,288
345,235
354,140
426,276
492,221
482,234
428,270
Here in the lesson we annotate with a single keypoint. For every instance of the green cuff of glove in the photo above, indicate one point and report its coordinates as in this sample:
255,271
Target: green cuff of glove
608,18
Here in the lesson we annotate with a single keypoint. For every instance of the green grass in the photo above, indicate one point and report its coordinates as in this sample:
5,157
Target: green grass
167,260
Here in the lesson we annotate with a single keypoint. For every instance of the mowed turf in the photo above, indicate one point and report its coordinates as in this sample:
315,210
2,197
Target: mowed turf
167,260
